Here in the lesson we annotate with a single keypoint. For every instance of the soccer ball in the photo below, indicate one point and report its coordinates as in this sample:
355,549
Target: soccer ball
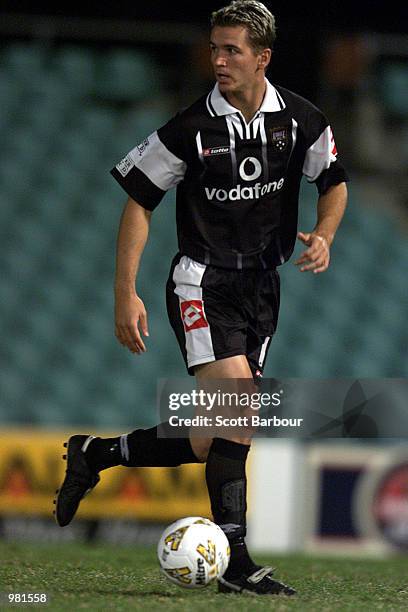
193,551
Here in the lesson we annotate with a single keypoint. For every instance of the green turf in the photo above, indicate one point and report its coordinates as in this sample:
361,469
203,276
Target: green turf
96,577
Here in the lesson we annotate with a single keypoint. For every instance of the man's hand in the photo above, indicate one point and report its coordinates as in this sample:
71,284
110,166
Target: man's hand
317,256
129,313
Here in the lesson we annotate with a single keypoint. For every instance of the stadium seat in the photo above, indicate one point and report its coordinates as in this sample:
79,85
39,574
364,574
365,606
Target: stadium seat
123,74
76,65
23,61
394,88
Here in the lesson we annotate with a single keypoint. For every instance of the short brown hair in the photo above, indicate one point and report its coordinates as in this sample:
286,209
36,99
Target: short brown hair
251,14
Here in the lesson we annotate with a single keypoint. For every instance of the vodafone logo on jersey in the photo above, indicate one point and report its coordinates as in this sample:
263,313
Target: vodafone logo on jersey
254,171
245,192
249,169
192,313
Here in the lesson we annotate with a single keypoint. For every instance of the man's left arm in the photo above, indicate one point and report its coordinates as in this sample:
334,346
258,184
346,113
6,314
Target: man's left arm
330,210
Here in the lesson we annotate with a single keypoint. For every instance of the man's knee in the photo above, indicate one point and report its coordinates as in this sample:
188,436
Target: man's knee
245,440
201,448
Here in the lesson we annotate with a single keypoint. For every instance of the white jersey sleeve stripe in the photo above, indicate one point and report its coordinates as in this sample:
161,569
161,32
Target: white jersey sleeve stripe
320,155
161,166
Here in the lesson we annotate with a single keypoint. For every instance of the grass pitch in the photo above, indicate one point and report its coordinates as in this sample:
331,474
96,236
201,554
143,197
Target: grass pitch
98,577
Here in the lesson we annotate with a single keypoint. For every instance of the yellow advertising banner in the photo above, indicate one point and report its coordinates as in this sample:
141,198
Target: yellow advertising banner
32,468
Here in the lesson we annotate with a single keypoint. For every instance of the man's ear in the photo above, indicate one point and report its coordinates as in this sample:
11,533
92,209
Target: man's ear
264,58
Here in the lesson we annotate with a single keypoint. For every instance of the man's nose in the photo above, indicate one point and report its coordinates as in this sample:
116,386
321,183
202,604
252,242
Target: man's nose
220,59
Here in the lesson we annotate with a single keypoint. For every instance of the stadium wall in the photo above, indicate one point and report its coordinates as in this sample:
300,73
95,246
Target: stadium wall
347,498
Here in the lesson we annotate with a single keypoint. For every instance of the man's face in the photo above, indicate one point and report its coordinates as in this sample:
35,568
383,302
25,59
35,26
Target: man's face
235,63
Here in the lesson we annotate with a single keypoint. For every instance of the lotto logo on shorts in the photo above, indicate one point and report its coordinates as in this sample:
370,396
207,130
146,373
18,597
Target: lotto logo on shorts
192,313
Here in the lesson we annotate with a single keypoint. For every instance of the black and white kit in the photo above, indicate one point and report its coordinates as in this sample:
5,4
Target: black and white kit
236,207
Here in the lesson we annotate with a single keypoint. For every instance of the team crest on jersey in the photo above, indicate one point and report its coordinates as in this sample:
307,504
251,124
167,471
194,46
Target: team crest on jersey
279,138
215,151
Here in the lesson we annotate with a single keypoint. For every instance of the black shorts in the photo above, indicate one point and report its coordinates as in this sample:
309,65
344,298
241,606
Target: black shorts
218,313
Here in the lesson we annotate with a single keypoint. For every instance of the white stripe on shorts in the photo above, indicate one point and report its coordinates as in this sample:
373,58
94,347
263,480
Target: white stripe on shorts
187,277
263,351
124,448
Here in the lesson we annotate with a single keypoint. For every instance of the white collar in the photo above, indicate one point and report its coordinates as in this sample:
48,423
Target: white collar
218,105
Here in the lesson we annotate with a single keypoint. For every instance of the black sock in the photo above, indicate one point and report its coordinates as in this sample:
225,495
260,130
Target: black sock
240,561
226,482
140,448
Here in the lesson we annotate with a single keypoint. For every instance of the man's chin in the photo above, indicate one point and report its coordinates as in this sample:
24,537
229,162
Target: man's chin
225,86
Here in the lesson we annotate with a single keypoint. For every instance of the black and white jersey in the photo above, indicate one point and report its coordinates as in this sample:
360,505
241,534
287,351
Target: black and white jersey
237,182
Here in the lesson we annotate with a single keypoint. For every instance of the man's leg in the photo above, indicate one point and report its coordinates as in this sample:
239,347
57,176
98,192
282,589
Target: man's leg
87,455
227,483
225,469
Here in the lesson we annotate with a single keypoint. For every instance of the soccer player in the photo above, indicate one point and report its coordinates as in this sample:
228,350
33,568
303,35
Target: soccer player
237,156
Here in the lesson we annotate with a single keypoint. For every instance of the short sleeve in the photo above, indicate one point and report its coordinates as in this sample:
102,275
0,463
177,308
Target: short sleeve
321,165
154,166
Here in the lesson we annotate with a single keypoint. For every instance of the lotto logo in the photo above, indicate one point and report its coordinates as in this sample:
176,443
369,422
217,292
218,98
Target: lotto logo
193,315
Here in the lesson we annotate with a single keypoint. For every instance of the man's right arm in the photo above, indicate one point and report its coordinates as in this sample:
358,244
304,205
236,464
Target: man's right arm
129,308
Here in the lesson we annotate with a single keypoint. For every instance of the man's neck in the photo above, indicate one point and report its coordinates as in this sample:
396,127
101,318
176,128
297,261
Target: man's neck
248,102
